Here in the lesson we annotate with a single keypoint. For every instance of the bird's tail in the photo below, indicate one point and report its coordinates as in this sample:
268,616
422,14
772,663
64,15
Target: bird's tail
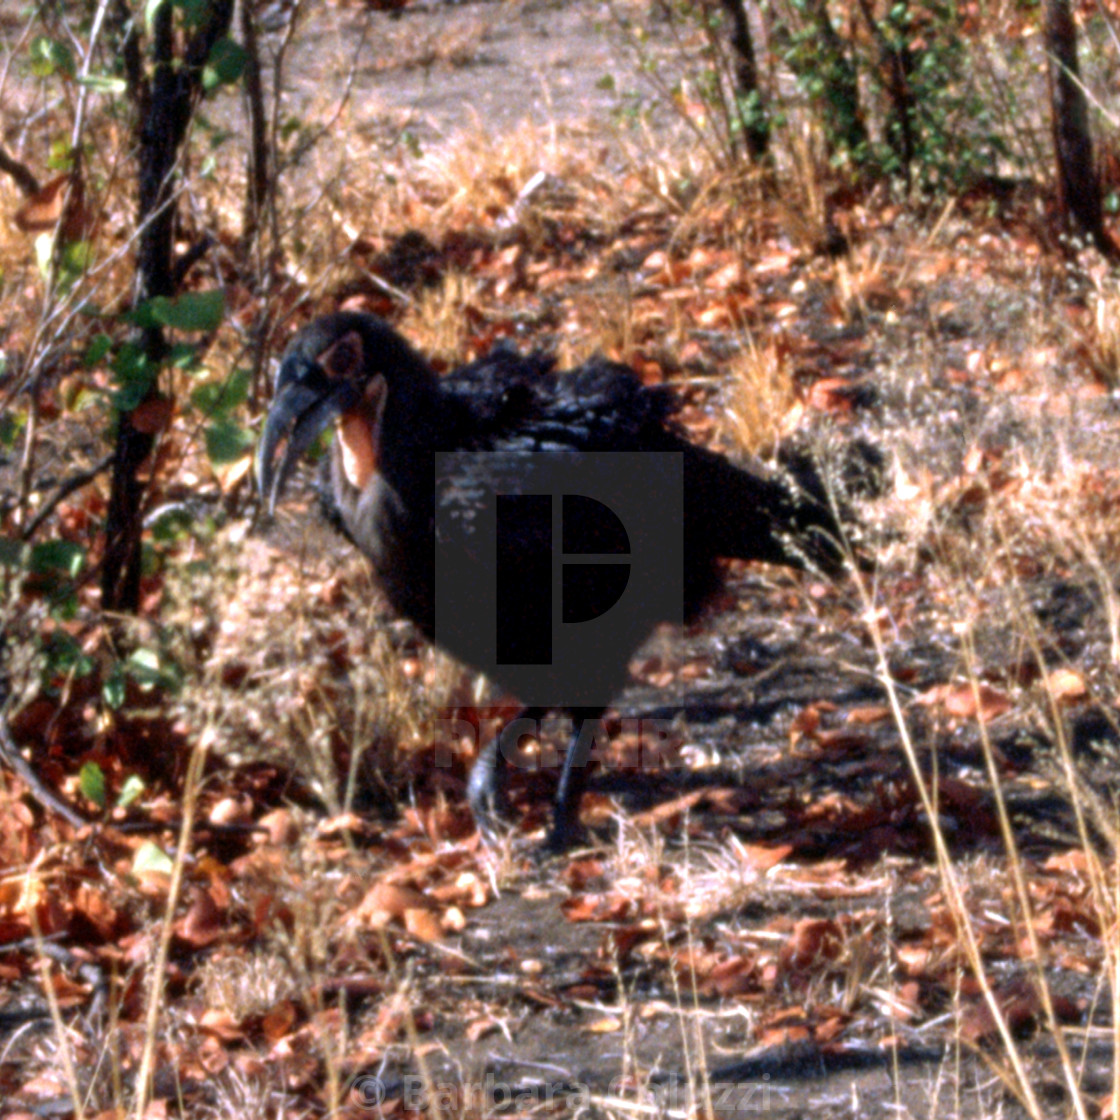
796,514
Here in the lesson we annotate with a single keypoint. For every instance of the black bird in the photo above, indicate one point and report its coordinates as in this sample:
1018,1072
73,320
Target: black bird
411,509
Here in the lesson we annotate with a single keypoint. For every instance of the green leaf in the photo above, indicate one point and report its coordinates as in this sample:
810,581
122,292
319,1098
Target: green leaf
133,787
97,350
49,56
195,12
149,670
227,441
75,257
143,665
192,311
112,689
225,64
91,781
104,83
84,398
65,656
12,425
61,156
13,554
217,399
134,374
170,525
57,556
150,857
184,356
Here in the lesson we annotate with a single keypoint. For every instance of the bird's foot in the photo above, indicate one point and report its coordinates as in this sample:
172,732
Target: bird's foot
488,802
566,833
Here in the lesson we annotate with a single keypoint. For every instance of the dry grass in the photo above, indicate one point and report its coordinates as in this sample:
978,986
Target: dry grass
761,395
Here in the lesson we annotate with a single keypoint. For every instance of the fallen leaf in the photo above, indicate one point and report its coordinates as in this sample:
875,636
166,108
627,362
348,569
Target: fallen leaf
423,924
812,941
872,713
760,857
1066,686
278,1020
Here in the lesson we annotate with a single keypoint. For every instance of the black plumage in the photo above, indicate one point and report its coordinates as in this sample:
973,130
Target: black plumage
405,505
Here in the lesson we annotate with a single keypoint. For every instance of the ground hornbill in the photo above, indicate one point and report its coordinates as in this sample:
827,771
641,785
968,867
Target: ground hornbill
447,485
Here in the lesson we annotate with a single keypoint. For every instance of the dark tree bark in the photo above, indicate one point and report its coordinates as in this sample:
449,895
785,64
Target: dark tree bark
259,171
20,173
756,122
165,101
1079,191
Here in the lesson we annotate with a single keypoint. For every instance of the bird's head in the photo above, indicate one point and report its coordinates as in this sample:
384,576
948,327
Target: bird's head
343,368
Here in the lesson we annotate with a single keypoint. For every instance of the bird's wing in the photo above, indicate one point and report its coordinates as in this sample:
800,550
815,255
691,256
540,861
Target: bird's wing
508,402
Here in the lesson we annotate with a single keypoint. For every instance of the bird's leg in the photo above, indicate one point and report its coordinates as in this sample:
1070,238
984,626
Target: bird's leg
486,787
565,823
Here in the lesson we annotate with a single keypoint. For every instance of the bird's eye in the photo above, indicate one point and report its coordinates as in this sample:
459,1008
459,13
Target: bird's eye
342,359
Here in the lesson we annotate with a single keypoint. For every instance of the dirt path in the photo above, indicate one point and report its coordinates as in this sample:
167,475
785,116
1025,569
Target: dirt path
437,69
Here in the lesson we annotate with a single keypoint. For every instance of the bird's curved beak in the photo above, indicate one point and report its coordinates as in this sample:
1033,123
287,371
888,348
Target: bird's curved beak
306,402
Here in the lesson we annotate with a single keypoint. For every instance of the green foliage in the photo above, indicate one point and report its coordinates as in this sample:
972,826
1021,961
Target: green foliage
12,425
61,156
104,83
49,57
13,554
57,558
955,135
851,77
64,657
49,570
227,441
94,787
115,363
225,65
711,80
91,781
217,399
193,12
192,311
69,262
147,668
134,373
917,54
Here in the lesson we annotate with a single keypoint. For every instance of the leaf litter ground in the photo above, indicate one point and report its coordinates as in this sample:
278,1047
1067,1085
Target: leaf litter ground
767,920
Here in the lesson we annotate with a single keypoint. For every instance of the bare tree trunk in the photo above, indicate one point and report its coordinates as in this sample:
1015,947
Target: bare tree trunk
164,103
259,171
751,107
1079,191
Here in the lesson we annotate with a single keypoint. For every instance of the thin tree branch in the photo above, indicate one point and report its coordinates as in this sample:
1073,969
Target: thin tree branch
10,757
65,489
20,173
